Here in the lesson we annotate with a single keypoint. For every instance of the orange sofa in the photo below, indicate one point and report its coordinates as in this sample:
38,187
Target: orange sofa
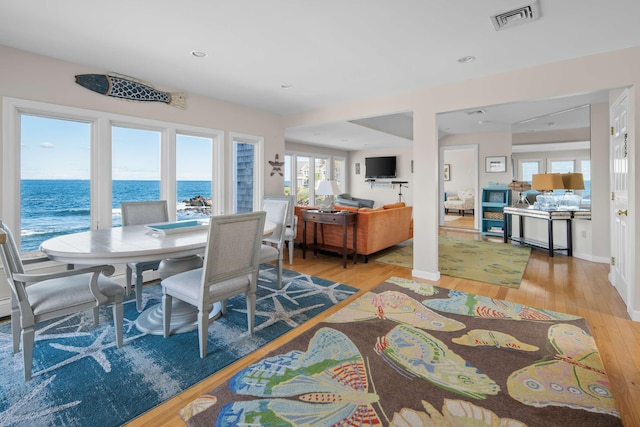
377,229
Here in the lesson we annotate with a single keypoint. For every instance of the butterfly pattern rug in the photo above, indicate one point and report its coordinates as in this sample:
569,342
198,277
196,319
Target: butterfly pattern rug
413,354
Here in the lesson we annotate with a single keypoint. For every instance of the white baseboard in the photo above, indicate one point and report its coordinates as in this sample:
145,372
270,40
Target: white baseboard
426,275
591,258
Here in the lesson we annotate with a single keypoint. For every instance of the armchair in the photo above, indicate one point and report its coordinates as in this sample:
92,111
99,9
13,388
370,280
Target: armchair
137,213
273,246
39,297
291,231
230,268
464,201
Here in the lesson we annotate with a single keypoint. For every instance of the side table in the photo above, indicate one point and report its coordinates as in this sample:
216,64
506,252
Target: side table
345,219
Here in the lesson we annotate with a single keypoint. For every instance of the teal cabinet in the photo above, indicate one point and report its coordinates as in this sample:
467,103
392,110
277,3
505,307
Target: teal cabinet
494,199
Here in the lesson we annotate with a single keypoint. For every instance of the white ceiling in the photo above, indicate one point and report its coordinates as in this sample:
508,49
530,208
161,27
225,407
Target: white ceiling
330,52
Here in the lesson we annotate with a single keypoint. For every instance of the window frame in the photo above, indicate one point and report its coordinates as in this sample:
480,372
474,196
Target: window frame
258,168
330,161
100,157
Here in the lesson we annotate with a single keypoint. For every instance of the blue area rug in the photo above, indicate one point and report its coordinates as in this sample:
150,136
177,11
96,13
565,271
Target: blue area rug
81,378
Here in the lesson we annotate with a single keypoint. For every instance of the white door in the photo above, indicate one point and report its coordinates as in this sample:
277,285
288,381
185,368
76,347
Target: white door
619,169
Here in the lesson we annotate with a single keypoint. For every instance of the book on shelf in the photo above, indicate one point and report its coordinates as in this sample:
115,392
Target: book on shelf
496,229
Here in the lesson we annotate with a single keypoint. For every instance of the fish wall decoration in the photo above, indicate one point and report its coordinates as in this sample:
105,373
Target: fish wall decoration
123,87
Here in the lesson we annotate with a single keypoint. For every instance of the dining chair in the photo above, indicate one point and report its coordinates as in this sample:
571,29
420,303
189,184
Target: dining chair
44,296
273,246
291,230
140,213
231,264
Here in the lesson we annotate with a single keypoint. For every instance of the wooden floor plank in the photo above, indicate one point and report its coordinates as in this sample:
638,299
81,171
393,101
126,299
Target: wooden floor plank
560,283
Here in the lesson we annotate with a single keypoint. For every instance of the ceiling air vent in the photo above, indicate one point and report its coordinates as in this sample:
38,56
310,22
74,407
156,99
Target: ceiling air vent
514,17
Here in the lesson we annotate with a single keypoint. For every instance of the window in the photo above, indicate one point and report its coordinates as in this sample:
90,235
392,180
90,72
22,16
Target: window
320,174
194,177
246,165
301,180
135,163
561,166
528,168
338,172
77,165
288,159
55,190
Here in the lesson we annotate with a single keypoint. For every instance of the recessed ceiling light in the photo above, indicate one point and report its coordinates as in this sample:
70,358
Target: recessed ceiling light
286,86
466,59
198,54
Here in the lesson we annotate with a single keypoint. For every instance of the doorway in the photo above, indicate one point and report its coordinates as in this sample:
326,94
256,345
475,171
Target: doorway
459,166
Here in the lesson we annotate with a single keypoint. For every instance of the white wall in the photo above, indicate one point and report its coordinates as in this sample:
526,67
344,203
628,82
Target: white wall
462,170
382,192
490,144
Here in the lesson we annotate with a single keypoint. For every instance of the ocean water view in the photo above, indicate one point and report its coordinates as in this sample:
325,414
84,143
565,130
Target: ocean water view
50,208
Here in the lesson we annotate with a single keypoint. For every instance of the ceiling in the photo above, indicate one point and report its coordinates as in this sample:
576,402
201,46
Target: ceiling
291,56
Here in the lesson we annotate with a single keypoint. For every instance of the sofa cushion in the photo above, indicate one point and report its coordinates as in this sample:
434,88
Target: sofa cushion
348,202
394,205
379,208
345,199
345,208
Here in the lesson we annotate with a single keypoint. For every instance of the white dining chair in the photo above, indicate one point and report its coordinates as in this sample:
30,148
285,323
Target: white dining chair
291,230
44,296
230,268
273,246
140,213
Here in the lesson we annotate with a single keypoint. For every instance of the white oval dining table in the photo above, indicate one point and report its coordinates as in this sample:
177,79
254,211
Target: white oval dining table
137,243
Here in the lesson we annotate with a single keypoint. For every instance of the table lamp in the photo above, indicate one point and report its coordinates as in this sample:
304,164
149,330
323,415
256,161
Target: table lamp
520,186
546,183
571,182
329,189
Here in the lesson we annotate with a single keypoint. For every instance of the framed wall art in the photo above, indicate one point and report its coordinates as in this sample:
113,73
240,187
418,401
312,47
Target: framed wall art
495,164
446,172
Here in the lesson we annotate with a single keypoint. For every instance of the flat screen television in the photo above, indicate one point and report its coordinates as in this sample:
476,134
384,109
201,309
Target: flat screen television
380,167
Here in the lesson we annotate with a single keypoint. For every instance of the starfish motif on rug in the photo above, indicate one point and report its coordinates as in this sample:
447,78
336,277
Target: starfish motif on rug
285,292
280,314
330,291
95,350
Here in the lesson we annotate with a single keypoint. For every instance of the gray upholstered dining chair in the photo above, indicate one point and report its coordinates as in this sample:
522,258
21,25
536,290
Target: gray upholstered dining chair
39,297
273,246
140,213
230,268
291,230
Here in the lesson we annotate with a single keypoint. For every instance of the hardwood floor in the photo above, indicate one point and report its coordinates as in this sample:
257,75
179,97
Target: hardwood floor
462,222
561,283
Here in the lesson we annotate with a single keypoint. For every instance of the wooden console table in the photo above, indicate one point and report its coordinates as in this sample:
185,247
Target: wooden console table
550,217
331,217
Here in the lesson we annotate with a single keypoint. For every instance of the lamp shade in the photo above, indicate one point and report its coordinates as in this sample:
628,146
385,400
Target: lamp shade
547,181
327,188
520,186
573,181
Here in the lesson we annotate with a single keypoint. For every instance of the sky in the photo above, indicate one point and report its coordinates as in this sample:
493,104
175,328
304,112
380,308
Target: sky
60,149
